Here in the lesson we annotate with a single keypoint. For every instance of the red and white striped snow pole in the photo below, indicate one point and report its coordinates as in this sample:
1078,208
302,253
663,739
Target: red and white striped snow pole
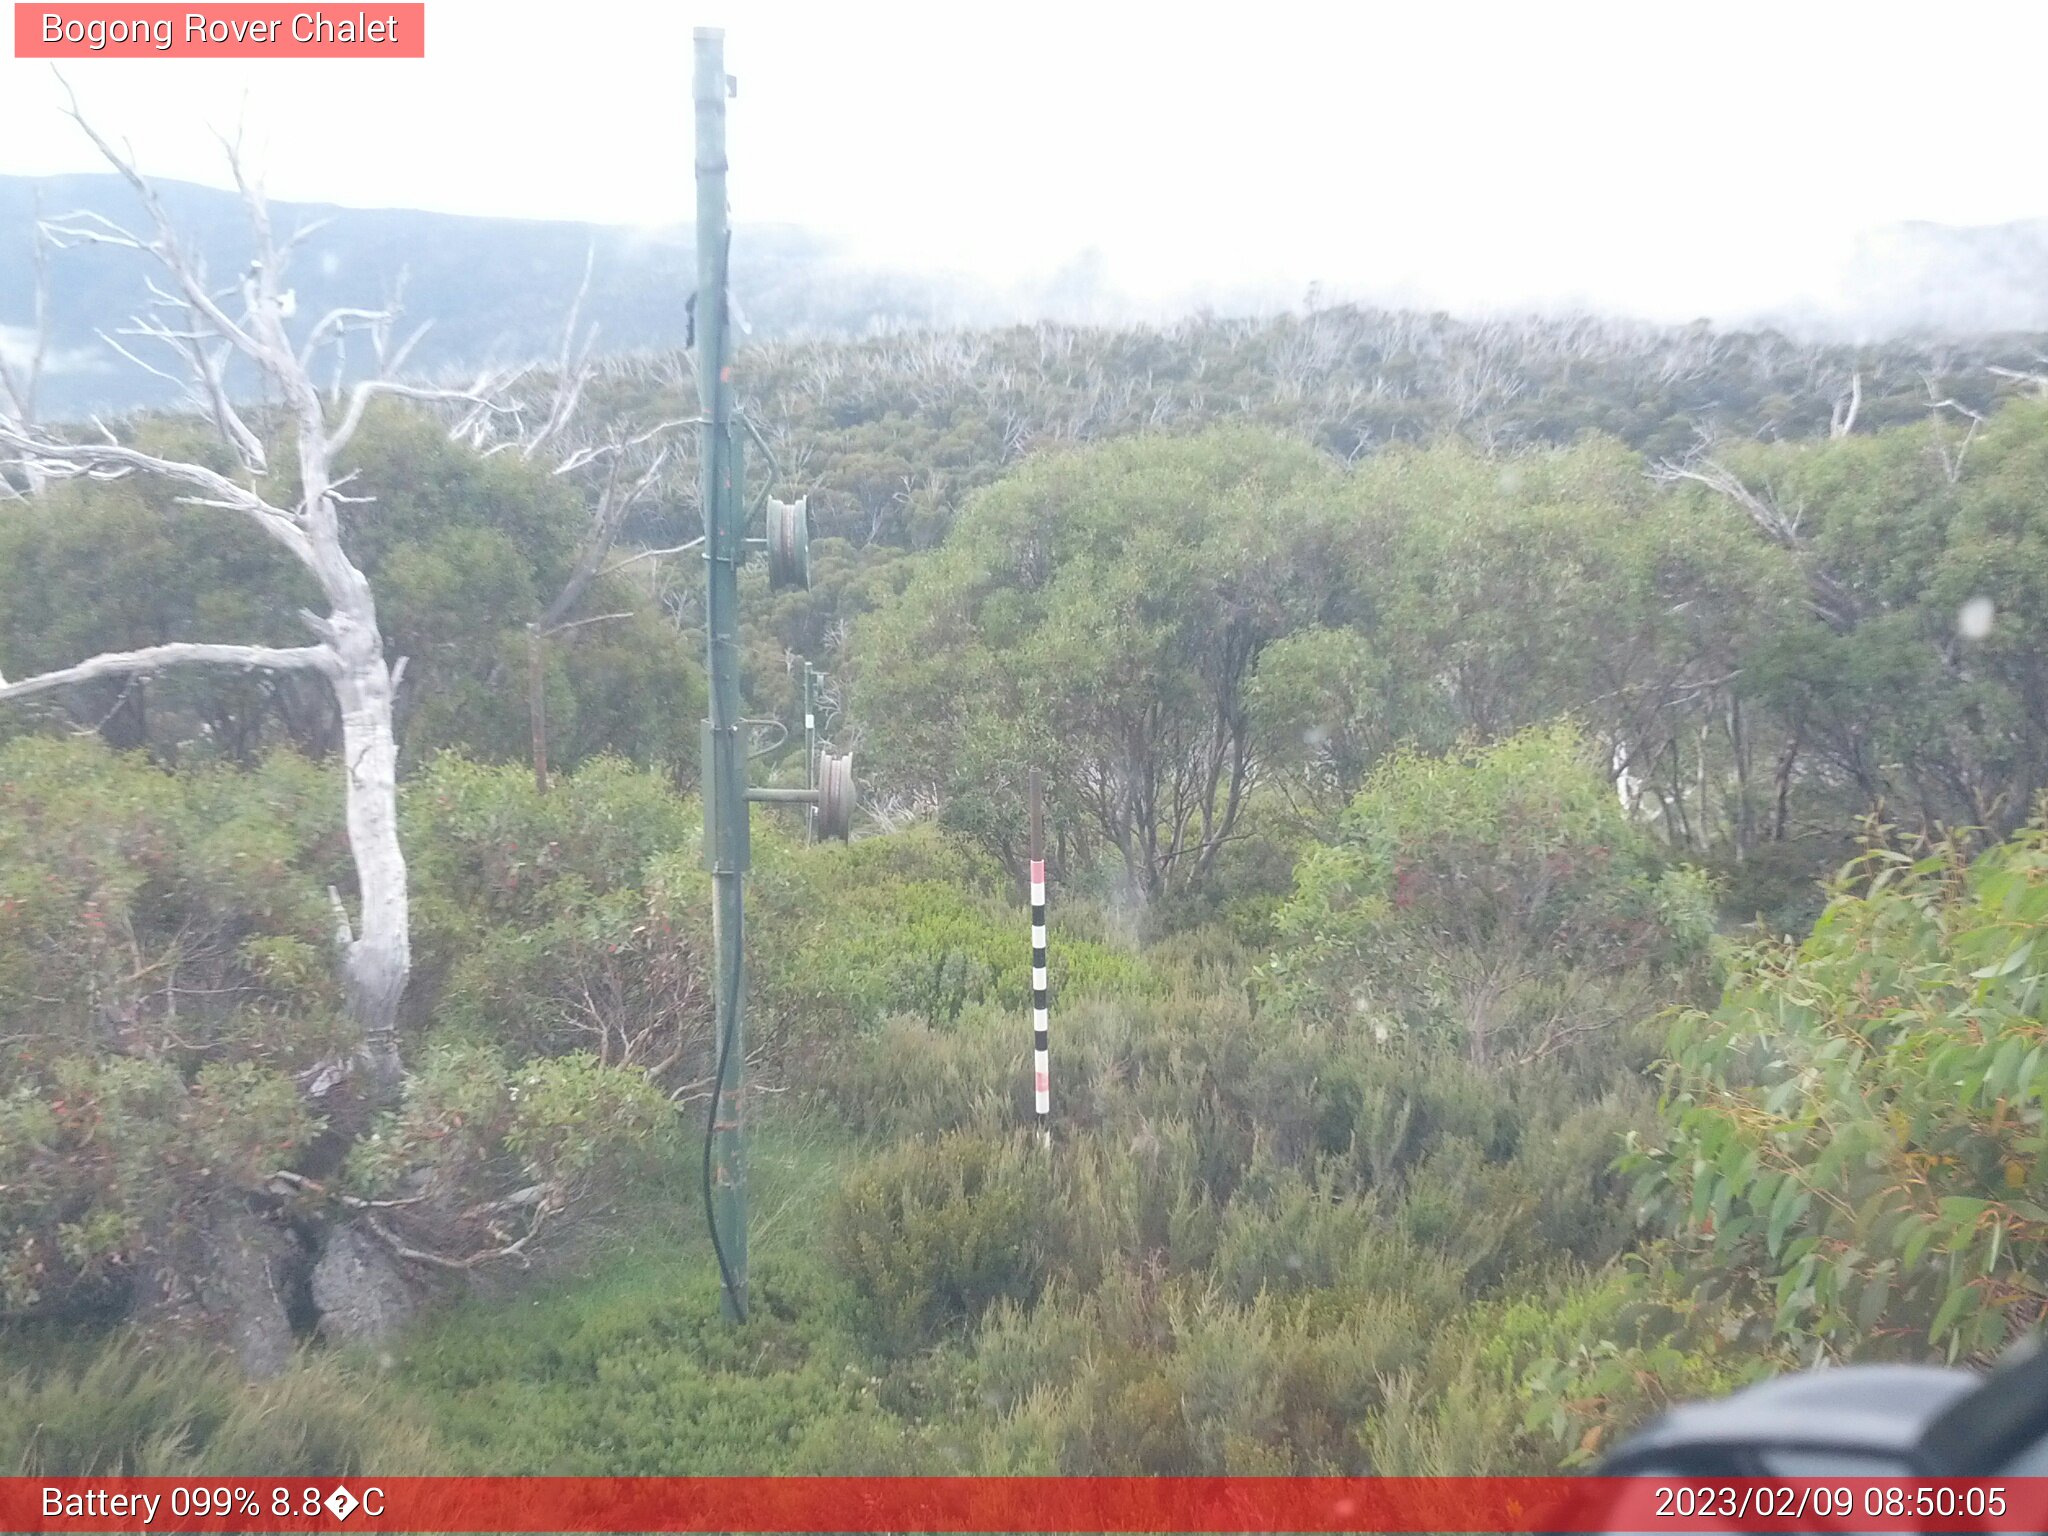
1041,1051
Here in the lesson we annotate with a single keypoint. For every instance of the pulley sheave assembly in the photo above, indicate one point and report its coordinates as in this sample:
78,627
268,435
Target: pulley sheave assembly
828,796
789,545
836,795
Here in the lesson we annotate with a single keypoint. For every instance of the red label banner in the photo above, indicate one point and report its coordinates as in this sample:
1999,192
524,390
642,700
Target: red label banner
211,31
1020,1504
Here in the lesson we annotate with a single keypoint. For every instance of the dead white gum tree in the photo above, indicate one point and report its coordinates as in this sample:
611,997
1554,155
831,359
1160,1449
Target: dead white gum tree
203,331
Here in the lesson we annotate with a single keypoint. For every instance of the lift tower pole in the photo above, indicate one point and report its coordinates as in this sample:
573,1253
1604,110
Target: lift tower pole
725,761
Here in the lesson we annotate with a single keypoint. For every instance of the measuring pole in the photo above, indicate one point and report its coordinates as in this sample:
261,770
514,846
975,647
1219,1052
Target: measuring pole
1041,1044
725,804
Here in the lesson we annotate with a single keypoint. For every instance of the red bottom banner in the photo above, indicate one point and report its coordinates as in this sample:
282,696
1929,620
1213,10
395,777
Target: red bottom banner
1020,1504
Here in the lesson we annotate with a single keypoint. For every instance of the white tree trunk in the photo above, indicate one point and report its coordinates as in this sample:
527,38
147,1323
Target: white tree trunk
379,957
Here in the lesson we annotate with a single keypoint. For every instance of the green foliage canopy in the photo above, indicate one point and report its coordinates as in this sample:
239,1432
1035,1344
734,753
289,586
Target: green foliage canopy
1484,894
1857,1140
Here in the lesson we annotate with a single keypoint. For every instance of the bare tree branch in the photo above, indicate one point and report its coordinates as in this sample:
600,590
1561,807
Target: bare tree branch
1763,511
155,658
2038,380
1828,598
20,388
110,460
655,554
481,396
1951,461
595,618
572,371
334,324
615,501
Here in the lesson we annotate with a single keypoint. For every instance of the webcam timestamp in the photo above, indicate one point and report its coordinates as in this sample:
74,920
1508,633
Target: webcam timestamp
1872,1499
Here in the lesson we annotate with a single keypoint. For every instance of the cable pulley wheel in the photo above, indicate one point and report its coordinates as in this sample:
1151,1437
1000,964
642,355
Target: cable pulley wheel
835,796
789,545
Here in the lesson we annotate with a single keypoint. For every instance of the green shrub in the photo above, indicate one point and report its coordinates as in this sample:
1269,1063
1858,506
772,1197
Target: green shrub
1469,898
631,1371
1471,1210
1151,1377
1856,1144
1467,1426
932,1233
905,1078
485,847
165,966
558,922
1133,1195
911,924
487,1152
1284,1233
127,1412
1594,1354
1021,1350
130,897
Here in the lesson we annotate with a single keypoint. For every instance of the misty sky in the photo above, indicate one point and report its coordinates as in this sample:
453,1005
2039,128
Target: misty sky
1656,158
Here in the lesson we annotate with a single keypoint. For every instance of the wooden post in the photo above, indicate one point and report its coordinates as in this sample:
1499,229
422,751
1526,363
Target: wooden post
537,706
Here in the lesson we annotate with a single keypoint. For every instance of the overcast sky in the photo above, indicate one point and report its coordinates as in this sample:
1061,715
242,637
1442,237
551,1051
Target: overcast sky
1654,157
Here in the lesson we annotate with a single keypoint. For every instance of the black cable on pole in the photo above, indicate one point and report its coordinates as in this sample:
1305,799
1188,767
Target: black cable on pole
739,1302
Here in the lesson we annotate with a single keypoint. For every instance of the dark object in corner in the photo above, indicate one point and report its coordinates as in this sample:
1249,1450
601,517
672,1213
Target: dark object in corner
1858,1421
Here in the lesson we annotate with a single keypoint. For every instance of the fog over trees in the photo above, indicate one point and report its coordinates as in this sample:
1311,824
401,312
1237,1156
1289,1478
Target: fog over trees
1520,792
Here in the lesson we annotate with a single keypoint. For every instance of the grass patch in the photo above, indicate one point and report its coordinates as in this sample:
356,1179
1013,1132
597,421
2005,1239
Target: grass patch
627,1369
